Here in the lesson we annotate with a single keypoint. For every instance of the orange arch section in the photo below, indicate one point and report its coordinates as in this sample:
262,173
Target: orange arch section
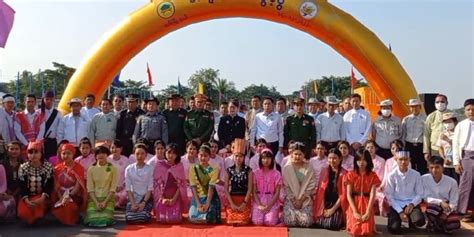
318,18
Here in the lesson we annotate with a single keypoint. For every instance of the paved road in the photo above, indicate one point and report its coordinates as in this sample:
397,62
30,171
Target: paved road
51,228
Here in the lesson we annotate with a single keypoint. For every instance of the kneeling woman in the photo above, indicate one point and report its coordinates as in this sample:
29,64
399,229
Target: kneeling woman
330,200
70,190
101,184
36,185
139,185
238,188
300,182
170,187
205,205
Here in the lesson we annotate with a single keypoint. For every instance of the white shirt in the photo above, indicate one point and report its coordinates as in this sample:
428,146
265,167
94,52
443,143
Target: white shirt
403,189
358,123
463,139
330,128
139,180
52,129
446,190
90,113
268,127
318,166
67,129
31,116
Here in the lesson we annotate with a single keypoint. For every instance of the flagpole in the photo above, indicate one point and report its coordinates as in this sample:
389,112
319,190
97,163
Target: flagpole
31,82
54,85
42,81
17,94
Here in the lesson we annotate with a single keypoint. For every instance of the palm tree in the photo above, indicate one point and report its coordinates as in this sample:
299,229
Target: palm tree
223,86
206,76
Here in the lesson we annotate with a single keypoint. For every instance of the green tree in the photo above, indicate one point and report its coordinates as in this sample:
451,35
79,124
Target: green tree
223,86
342,87
261,90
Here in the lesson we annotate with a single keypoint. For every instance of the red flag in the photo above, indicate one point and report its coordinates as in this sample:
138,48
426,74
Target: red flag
150,78
7,15
353,79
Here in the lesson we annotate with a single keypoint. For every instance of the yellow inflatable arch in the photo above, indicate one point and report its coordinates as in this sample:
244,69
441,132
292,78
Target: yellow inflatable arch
318,18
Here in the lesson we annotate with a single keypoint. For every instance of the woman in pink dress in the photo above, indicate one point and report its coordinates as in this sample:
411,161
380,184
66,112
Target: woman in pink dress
266,192
170,187
347,158
87,158
379,169
120,162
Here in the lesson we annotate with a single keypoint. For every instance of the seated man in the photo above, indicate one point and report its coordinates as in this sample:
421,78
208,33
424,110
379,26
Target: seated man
404,191
441,193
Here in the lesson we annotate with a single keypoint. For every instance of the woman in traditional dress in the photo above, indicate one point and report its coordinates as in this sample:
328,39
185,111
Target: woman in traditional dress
87,158
238,188
361,184
266,191
70,189
300,183
347,159
170,187
120,162
7,202
36,185
12,164
101,185
205,205
139,185
330,201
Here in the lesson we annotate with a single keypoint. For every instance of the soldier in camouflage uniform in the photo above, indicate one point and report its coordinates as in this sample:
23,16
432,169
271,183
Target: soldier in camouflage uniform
300,127
199,122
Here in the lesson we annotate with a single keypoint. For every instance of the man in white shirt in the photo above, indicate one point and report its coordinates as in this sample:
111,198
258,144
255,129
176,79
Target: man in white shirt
89,110
441,193
357,122
10,128
463,159
269,126
330,127
74,126
404,191
250,115
50,118
413,127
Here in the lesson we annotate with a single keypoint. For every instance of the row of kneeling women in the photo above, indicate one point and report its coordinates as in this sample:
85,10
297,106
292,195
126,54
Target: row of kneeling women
294,195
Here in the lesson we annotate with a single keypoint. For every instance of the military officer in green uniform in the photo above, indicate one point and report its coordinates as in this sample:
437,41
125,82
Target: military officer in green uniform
299,127
199,122
176,116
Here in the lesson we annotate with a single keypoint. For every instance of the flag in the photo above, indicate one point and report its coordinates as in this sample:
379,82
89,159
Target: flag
7,16
353,79
180,88
201,88
116,81
150,79
316,87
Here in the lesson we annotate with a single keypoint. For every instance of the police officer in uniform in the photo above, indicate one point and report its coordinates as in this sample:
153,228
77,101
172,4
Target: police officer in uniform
152,125
300,127
127,119
175,117
199,122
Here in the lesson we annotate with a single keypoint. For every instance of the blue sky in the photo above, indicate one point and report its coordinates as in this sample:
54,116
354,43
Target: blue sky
433,40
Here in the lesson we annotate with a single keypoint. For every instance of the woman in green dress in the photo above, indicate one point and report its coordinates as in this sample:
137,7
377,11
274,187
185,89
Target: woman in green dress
101,185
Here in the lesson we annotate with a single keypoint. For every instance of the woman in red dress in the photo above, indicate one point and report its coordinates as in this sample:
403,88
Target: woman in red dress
361,184
70,192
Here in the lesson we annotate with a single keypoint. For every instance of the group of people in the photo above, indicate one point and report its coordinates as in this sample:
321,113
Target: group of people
332,167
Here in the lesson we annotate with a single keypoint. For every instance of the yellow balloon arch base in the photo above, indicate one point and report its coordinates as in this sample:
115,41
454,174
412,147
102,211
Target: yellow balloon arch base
318,18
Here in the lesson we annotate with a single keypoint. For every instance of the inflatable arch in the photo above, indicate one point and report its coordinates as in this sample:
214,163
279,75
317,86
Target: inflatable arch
318,18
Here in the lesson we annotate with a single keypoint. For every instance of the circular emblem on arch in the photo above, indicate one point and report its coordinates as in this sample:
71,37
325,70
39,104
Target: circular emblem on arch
166,10
308,10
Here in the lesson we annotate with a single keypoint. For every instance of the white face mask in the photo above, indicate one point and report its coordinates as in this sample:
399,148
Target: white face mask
448,126
440,106
386,112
